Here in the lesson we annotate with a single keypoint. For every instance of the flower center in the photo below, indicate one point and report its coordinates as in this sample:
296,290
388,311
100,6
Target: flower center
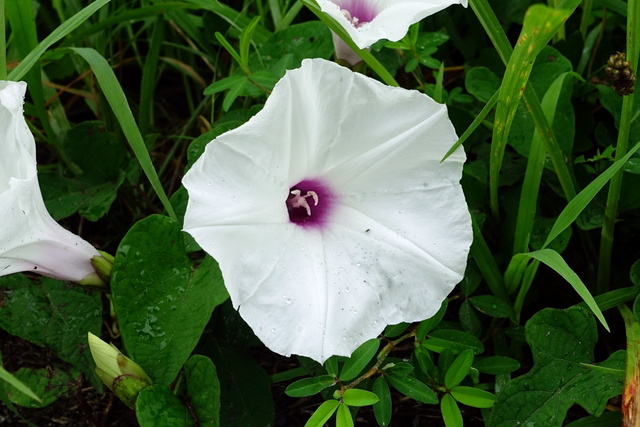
358,12
308,203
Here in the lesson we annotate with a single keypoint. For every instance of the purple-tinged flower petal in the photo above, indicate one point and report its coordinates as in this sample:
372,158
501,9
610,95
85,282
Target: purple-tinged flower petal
30,240
381,19
388,248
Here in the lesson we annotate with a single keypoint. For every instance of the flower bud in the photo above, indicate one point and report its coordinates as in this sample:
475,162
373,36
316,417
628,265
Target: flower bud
122,375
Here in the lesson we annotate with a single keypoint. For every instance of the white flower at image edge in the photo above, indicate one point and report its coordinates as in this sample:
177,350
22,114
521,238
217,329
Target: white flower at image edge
30,240
330,213
368,21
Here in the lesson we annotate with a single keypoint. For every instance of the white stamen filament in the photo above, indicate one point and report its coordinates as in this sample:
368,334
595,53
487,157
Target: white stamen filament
299,201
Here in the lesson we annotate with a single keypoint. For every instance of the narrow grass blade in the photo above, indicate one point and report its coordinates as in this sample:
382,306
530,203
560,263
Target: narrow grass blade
118,103
578,203
19,385
533,174
540,24
149,74
474,125
553,260
65,28
486,263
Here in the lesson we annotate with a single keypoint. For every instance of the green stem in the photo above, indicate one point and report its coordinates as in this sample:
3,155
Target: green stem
3,43
622,145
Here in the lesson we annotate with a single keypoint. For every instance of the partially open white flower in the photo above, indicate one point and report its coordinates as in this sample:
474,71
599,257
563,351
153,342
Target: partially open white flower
330,213
368,21
30,240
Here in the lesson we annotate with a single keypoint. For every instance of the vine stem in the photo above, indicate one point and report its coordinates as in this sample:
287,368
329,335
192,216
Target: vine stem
381,357
622,146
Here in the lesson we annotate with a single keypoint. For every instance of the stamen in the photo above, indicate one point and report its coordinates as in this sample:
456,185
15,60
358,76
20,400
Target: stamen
299,201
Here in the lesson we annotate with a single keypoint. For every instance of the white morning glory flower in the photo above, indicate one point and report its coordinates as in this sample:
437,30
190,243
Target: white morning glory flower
330,213
368,21
30,240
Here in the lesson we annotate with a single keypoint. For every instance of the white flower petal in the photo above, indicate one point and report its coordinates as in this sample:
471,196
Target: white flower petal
395,241
30,240
393,19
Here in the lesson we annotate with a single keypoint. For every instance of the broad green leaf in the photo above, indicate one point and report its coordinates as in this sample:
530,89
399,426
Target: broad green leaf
607,419
246,397
458,369
482,83
157,406
310,386
471,396
393,331
456,341
495,365
427,325
469,319
162,301
343,417
382,409
322,414
49,384
203,389
357,397
411,387
540,24
102,161
331,365
359,359
560,341
18,385
120,106
450,411
491,305
53,315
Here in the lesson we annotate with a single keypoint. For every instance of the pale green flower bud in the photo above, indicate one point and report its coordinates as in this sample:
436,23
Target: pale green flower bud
122,375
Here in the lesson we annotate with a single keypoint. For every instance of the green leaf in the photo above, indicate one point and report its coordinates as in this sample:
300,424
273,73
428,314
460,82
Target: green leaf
58,34
357,397
343,417
245,39
471,396
555,261
203,389
359,359
393,331
482,83
18,385
427,325
456,341
53,315
331,365
450,412
120,106
382,409
163,303
608,419
310,386
245,389
492,306
412,388
157,406
102,160
495,365
458,369
322,414
49,384
540,24
560,341
223,84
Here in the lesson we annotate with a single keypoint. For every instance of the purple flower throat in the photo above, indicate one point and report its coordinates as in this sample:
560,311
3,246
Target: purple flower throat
309,203
358,12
